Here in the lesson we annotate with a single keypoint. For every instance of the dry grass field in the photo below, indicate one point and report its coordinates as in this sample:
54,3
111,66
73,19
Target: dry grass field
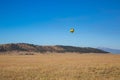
60,67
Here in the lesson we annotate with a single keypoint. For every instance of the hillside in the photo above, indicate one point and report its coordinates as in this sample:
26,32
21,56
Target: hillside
116,51
42,49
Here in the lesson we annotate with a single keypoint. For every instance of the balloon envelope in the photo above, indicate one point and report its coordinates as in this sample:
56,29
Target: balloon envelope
72,30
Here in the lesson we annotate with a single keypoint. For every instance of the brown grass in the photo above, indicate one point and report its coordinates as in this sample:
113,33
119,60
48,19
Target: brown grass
60,67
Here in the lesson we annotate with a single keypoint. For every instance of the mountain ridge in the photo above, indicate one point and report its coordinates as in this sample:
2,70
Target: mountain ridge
116,51
57,48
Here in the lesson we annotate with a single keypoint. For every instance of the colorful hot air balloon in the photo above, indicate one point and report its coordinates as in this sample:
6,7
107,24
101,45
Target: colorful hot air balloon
72,30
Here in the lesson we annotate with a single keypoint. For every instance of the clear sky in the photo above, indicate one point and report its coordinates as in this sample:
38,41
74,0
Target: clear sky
47,22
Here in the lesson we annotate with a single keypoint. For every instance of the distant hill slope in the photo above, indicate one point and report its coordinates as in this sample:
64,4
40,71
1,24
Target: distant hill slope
110,50
57,48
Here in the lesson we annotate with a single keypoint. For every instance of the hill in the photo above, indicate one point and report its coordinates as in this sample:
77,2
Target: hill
117,51
43,49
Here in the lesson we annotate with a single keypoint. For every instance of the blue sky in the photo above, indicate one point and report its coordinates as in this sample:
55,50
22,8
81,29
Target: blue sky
47,22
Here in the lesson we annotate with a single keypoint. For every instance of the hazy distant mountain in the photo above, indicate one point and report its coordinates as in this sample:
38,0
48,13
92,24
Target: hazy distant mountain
57,48
110,50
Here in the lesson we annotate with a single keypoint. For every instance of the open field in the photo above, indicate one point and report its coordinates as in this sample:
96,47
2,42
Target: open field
60,67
